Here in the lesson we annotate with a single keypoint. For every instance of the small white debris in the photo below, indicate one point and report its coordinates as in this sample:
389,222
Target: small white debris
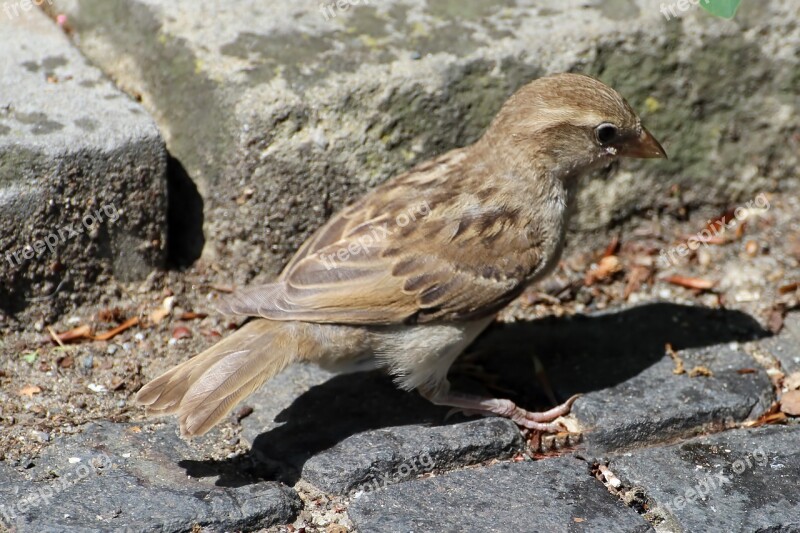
73,460
97,388
126,455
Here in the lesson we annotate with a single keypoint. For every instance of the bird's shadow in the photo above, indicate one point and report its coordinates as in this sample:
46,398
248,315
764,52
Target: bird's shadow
578,354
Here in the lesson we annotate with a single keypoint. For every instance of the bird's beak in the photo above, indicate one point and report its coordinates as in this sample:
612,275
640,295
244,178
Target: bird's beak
643,146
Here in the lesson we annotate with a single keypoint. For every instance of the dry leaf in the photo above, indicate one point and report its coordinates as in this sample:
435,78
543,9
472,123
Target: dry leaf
612,247
162,312
700,371
189,315
117,383
691,283
636,276
30,390
111,315
792,381
790,403
607,267
243,412
181,332
110,334
221,288
786,289
740,230
74,334
609,476
679,369
776,318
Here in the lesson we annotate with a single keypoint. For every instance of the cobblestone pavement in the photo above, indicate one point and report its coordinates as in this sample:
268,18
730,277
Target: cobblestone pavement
659,450
236,130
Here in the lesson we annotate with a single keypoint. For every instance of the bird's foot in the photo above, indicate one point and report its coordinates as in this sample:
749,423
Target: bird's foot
544,422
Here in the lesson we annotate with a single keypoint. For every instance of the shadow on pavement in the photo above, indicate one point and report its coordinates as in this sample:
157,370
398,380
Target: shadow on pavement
579,354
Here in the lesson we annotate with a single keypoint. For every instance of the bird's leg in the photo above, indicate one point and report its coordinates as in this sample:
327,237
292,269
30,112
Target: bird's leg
544,422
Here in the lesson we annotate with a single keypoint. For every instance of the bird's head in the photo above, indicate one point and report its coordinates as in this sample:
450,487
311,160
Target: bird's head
573,123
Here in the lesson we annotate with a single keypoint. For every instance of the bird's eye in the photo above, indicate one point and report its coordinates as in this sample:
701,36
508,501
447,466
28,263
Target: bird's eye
606,133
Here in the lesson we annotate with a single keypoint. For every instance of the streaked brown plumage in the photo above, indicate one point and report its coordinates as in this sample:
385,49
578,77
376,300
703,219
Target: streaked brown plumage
410,274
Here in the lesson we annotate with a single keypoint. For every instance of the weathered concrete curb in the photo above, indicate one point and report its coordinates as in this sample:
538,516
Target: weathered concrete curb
82,172
283,114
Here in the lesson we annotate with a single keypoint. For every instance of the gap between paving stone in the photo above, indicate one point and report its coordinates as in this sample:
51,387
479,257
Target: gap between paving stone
738,480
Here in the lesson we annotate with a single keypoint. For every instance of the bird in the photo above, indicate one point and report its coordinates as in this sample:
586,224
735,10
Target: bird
406,277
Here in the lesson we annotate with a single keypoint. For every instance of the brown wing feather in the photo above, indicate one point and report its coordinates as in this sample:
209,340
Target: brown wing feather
365,267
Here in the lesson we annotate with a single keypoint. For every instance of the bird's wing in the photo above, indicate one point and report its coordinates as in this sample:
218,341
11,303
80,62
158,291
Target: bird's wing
422,247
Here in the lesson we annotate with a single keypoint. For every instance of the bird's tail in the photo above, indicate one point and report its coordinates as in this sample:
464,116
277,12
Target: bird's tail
202,390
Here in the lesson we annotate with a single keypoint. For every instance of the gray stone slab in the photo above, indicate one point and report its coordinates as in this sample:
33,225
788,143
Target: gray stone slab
618,362
117,477
658,405
785,347
343,432
78,155
283,113
742,480
356,431
549,496
379,458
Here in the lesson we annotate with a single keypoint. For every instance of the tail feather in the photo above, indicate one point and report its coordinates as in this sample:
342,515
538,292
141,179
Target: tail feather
202,390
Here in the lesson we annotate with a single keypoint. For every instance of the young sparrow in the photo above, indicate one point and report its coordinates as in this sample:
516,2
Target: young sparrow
406,277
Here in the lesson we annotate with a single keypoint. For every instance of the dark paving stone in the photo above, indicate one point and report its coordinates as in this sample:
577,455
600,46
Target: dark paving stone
379,458
617,360
348,431
742,480
785,347
343,431
130,480
549,496
658,405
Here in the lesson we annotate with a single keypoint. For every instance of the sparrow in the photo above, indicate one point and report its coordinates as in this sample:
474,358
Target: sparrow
405,278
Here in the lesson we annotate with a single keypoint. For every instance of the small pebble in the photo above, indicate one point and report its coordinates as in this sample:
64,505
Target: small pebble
41,436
